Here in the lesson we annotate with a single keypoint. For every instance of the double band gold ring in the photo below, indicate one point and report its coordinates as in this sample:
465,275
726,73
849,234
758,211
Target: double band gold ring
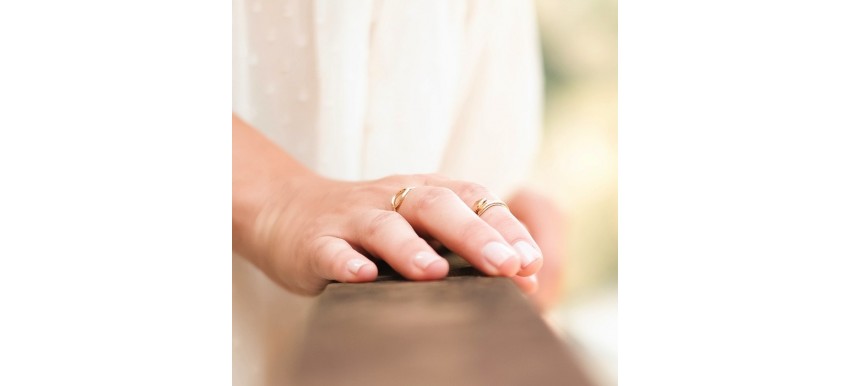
483,204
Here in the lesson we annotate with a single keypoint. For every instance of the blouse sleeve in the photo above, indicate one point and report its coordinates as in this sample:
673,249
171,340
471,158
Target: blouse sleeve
498,121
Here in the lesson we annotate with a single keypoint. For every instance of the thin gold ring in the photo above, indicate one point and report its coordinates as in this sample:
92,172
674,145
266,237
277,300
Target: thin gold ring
398,198
483,204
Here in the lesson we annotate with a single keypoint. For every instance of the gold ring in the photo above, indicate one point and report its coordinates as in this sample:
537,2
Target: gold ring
398,198
483,204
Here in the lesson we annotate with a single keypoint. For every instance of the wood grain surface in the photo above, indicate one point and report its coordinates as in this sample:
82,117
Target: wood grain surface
465,330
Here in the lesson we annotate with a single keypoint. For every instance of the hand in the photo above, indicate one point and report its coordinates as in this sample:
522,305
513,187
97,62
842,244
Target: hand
303,230
312,230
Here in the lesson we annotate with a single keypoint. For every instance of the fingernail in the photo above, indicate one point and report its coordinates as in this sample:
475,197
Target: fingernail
355,265
497,253
425,259
529,253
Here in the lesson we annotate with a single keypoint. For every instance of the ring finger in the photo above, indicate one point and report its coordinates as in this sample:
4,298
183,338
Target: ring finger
501,219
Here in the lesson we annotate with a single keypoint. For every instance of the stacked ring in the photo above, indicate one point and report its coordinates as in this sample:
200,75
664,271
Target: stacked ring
483,204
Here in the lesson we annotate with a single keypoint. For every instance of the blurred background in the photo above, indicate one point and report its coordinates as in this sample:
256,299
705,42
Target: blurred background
578,165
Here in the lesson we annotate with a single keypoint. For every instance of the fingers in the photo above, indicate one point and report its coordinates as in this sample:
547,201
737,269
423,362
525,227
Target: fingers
496,242
527,284
501,219
389,236
334,259
517,235
440,212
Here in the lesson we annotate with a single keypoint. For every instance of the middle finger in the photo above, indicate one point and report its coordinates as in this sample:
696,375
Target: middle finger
440,213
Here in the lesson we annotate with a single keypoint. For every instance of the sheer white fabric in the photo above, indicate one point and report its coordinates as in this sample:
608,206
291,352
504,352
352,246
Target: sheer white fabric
361,89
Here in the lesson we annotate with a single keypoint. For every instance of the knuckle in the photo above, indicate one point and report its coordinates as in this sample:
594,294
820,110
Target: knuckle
432,198
433,178
474,191
392,177
501,219
309,274
397,180
317,253
316,225
378,221
472,232
368,190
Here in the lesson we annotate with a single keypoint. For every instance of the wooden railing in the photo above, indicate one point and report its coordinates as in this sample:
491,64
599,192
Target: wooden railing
465,330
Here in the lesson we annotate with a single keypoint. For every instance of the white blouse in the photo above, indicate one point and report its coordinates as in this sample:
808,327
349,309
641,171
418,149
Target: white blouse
361,89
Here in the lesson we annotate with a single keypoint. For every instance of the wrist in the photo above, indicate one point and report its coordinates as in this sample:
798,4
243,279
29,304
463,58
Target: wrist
264,205
264,175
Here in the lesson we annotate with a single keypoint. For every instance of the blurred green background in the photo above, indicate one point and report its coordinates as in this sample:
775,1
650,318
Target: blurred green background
578,165
578,160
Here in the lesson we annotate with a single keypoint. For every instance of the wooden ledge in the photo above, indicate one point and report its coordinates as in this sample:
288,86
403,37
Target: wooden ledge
464,330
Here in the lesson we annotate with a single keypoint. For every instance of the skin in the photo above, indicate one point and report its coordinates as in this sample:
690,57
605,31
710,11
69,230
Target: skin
547,224
304,230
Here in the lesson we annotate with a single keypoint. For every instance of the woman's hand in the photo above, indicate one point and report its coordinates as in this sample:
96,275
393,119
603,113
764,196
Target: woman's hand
303,230
315,230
